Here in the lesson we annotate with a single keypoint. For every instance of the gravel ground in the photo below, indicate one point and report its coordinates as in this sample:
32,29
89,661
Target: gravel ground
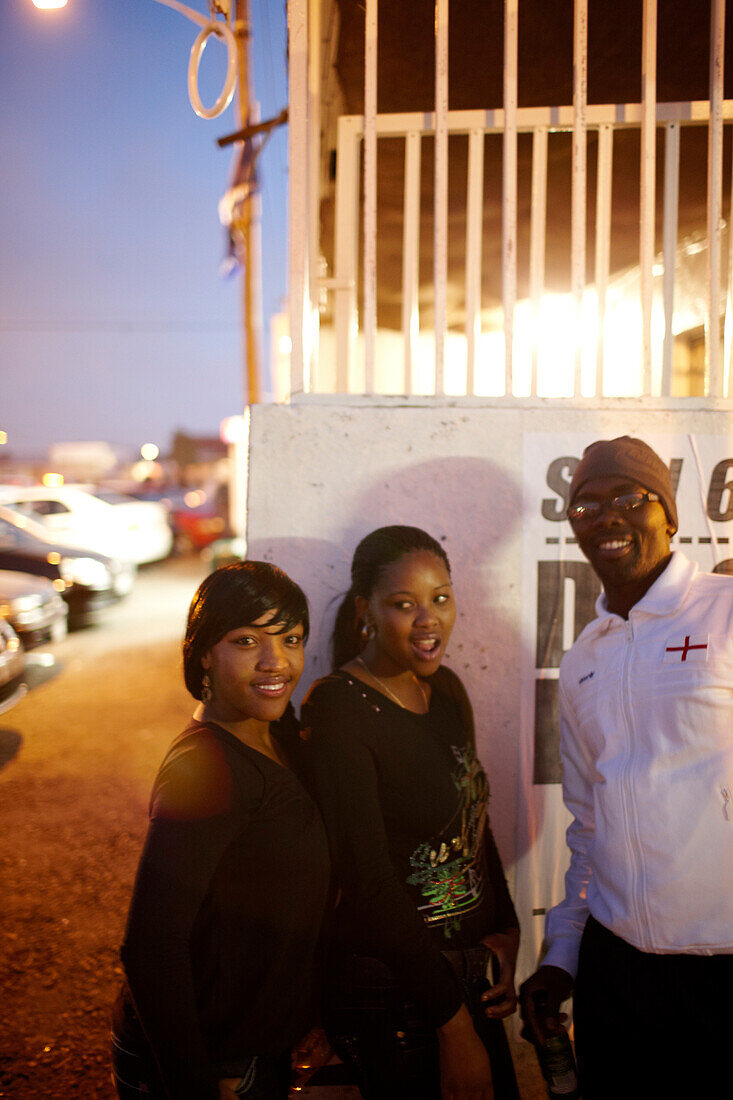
77,760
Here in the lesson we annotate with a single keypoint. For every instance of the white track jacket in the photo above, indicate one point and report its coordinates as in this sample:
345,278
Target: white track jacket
646,720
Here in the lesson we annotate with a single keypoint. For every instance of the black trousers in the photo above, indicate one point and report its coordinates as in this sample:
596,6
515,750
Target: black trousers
136,1075
651,1026
392,1049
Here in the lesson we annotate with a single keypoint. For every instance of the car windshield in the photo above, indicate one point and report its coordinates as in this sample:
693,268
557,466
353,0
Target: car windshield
109,497
16,529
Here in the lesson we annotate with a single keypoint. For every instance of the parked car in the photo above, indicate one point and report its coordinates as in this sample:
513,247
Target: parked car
33,607
12,667
194,515
87,581
105,522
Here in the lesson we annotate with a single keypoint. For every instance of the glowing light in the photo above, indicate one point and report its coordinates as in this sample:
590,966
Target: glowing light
149,451
3,438
59,585
52,481
144,470
285,345
53,558
195,498
232,429
49,5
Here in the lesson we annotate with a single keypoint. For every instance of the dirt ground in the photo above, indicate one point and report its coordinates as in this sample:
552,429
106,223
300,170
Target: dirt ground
77,760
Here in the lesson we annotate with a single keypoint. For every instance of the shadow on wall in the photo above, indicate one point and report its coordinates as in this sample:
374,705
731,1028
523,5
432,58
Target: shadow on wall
475,510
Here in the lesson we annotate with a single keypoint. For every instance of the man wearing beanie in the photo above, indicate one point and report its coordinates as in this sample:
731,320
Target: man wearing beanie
644,935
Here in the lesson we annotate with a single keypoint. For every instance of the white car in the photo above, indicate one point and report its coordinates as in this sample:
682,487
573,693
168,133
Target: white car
109,523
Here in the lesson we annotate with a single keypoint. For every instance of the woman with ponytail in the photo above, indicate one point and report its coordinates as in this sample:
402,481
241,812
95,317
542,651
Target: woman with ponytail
425,936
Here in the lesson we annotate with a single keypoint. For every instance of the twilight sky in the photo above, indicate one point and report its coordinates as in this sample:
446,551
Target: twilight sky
115,323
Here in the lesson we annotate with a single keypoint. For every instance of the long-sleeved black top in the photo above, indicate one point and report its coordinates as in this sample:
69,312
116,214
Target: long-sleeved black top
226,910
404,799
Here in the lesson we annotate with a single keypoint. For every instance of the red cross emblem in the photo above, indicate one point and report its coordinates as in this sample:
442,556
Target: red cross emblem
685,649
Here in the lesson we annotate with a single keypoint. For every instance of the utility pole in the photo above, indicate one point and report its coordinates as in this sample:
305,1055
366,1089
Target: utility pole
246,226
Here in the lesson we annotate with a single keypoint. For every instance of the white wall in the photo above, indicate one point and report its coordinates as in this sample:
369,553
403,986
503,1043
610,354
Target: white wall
323,475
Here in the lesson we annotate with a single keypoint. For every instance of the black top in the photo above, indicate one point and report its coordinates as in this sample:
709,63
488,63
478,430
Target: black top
404,799
226,909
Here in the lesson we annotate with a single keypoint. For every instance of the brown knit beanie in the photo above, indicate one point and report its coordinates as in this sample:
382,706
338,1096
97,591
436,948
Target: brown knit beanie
629,458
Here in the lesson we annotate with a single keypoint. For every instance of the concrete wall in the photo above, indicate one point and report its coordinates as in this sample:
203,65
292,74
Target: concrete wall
323,475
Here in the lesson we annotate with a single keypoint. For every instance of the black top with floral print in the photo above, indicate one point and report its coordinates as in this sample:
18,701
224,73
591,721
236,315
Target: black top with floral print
404,799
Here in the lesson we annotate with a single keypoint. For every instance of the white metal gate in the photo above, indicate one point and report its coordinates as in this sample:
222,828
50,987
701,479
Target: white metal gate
588,321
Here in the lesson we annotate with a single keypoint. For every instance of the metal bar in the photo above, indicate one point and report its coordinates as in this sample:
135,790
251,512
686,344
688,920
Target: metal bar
346,248
604,182
671,210
728,332
509,185
411,255
370,193
298,197
648,173
314,188
715,196
537,238
474,238
440,229
578,200
556,119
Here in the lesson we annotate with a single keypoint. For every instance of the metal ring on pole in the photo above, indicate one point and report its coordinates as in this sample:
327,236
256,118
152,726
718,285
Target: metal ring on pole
221,30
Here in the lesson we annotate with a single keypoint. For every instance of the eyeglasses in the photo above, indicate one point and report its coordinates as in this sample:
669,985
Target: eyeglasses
587,510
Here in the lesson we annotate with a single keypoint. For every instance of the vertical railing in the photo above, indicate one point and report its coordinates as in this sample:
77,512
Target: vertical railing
370,194
356,193
440,231
300,379
411,256
509,179
578,191
474,239
314,167
671,206
648,185
715,192
537,237
728,350
346,250
604,181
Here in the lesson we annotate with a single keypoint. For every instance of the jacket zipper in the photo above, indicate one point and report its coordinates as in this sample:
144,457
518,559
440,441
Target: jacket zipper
638,891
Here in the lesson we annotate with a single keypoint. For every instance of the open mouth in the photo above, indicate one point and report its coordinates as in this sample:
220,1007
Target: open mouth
271,689
614,547
426,648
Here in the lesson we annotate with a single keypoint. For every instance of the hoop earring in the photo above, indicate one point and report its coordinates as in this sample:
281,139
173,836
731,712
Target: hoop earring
206,691
368,631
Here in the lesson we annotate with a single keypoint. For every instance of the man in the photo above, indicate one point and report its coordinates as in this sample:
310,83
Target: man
644,935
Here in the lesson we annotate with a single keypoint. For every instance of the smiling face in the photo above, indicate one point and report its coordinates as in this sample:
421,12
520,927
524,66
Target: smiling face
413,612
254,670
627,549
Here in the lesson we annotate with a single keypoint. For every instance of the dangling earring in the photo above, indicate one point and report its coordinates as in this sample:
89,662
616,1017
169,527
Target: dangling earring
206,692
368,631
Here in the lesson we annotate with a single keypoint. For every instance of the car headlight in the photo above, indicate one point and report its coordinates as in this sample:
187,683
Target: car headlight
123,576
19,604
85,571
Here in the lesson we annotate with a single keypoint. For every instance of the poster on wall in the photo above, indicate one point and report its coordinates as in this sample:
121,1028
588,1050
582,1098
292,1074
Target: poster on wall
559,592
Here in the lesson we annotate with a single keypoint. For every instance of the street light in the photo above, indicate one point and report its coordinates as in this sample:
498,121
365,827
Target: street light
47,5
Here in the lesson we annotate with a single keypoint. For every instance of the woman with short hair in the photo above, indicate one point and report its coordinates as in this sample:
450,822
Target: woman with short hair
232,881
